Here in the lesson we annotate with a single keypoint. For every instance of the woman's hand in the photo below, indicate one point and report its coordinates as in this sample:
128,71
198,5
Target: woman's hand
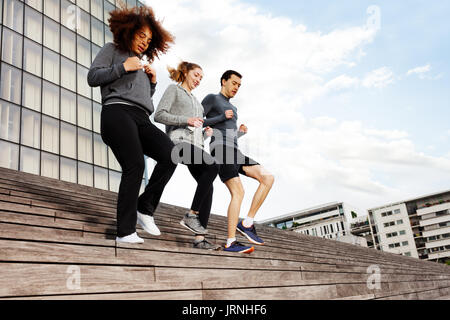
132,64
209,131
195,122
151,73
243,128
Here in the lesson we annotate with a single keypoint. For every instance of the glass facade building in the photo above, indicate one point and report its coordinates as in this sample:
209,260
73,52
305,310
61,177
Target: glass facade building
49,116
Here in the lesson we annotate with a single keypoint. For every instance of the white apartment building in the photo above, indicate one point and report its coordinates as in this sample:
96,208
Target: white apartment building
331,221
419,227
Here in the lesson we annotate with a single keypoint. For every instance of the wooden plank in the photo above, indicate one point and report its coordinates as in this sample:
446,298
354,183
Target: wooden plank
8,206
44,279
281,293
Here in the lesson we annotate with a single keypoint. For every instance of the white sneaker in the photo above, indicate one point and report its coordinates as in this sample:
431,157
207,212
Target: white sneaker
148,223
132,238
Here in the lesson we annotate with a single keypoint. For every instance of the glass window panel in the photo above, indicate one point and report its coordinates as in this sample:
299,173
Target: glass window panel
50,134
9,121
85,25
83,4
68,140
51,9
31,128
101,178
97,9
68,14
114,181
13,15
37,4
68,74
12,48
108,36
68,170
68,106
51,34
68,41
11,83
9,157
84,113
29,160
108,7
31,95
95,50
50,99
131,3
100,152
33,24
97,94
85,174
32,57
50,165
84,52
84,145
1,12
51,66
112,161
97,116
97,32
83,86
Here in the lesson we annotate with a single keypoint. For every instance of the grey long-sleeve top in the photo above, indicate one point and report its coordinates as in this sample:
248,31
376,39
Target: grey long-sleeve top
176,106
215,106
117,85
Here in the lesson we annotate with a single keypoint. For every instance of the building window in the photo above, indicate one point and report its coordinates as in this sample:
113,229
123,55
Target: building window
32,57
85,25
97,32
84,52
68,15
68,74
68,43
37,4
83,87
84,113
33,24
97,110
13,15
50,99
50,165
408,254
108,7
402,232
100,152
68,170
97,9
101,178
85,174
12,48
29,160
51,9
68,140
114,181
31,96
9,157
50,134
51,66
68,106
84,145
405,243
112,161
331,227
399,221
31,128
396,211
9,122
51,34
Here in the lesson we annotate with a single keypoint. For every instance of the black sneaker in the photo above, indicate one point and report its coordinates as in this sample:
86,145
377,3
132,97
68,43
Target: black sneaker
204,244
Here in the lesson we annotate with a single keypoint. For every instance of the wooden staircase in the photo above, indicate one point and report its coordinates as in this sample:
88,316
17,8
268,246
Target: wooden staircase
54,233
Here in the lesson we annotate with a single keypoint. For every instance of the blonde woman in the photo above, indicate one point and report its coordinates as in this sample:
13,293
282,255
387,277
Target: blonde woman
182,114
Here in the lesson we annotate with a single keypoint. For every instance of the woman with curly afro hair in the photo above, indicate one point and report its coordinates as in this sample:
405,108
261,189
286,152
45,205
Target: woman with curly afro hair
122,69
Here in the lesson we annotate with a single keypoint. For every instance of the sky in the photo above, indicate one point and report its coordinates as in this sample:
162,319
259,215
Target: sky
344,100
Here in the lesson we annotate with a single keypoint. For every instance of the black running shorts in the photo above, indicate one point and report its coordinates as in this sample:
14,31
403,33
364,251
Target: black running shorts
231,160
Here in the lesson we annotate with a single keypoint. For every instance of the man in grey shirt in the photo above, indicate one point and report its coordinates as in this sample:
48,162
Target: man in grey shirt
221,115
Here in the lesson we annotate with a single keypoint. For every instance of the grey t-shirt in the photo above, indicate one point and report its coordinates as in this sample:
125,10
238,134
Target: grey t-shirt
225,130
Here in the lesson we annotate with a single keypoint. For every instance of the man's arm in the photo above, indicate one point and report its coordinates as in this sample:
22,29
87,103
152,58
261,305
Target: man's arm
209,105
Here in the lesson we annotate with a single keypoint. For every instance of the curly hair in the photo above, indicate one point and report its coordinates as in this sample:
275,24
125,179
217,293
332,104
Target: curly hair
124,23
179,74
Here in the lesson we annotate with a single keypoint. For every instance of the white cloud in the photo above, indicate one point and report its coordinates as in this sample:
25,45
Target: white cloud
285,66
378,78
419,70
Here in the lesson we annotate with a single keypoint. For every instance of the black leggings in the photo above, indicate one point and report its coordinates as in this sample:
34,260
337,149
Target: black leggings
127,130
204,169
